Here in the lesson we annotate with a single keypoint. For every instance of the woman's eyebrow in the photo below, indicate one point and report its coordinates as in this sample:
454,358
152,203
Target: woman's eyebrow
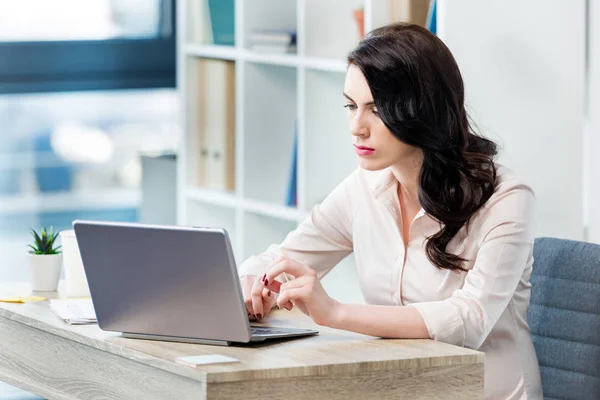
369,103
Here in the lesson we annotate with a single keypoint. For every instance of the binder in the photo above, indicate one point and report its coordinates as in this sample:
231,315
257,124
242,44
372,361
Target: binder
414,11
215,152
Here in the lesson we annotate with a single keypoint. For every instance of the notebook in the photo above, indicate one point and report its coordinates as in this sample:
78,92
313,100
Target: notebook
74,312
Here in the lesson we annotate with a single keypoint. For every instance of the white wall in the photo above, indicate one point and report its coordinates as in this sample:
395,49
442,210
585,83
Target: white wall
523,63
592,143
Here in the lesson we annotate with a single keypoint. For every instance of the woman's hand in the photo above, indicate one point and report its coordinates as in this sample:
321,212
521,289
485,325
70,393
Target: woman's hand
259,305
305,290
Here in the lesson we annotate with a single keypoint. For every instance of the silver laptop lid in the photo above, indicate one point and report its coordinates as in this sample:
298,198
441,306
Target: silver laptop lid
163,280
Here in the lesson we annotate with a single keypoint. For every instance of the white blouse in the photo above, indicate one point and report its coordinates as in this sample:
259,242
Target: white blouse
484,308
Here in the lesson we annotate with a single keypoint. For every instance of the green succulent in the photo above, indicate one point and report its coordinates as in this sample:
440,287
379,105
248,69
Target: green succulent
44,243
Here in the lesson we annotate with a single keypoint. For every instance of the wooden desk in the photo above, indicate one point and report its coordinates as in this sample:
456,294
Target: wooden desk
42,354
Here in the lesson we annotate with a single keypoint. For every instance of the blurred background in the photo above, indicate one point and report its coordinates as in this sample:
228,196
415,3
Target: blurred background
158,111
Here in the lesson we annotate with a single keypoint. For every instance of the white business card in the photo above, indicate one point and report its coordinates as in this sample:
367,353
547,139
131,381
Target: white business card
206,359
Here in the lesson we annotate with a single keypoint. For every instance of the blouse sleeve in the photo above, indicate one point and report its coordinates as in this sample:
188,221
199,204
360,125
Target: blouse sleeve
467,317
321,241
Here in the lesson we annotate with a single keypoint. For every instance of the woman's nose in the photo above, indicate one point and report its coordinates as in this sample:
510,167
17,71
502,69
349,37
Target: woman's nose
358,129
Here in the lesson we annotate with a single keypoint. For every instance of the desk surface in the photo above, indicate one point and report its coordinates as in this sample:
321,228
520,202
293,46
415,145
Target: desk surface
331,353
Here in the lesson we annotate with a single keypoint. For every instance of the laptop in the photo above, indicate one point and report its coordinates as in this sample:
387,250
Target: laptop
169,283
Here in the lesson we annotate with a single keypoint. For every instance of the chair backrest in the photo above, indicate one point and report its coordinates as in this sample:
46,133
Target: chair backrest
564,317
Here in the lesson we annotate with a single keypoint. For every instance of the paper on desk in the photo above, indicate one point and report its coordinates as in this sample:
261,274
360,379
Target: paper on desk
75,312
22,299
206,359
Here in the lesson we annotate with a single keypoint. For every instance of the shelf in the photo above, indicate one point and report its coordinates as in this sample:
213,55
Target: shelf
212,51
214,197
287,60
276,95
211,215
291,60
229,200
275,211
52,202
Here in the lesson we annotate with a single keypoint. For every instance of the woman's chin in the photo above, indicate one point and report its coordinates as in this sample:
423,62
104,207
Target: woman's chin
371,165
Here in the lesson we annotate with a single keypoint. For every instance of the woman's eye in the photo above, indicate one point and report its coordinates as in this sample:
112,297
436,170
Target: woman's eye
375,112
350,107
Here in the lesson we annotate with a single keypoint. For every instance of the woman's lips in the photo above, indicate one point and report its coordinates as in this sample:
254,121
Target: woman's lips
363,150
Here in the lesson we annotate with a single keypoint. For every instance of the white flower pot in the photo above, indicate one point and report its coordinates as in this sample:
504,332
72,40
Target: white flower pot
44,271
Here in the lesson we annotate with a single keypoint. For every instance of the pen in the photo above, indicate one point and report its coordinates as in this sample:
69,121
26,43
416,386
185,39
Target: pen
284,277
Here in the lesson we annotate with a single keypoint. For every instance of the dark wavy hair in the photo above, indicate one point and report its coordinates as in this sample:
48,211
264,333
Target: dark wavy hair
419,94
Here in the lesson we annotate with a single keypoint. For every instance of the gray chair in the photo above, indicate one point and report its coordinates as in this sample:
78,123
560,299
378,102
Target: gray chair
564,317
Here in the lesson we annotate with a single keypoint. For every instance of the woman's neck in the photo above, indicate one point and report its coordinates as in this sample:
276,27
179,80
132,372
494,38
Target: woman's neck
407,174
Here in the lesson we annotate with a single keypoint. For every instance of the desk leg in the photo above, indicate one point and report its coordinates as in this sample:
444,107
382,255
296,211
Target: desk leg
455,382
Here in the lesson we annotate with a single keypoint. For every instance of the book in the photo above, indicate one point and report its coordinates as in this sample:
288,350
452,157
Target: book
432,17
273,48
273,37
74,312
292,194
222,21
199,28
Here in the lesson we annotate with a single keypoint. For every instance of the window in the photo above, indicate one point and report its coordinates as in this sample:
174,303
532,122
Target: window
71,142
77,155
69,45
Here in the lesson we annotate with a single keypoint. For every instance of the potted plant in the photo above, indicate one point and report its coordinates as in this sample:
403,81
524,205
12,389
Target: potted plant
45,261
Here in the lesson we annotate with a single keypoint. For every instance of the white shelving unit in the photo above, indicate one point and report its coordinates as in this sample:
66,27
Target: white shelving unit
272,91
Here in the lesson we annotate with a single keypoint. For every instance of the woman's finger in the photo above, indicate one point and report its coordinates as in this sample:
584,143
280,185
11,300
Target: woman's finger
285,266
257,299
274,286
294,283
268,301
249,308
266,293
247,283
297,293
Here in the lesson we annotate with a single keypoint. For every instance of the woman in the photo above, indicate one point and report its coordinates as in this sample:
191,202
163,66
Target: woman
442,235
